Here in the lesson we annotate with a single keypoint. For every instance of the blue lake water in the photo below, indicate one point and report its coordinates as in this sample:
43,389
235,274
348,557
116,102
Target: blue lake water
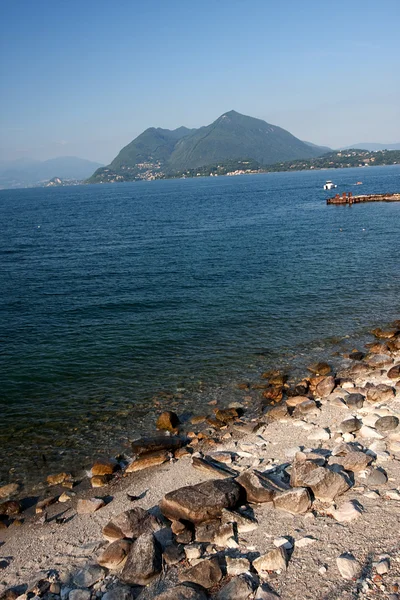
117,300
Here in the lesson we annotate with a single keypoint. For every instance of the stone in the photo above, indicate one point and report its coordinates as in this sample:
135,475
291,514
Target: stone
173,554
380,393
393,373
183,592
158,443
152,459
99,481
193,551
238,588
45,503
237,566
369,433
320,368
58,478
305,541
144,561
355,401
325,387
347,512
273,393
352,461
294,401
319,434
85,507
226,415
259,487
264,592
201,502
213,466
356,355
222,535
394,447
294,501
278,413
392,494
243,523
104,467
307,407
383,566
387,423
119,592
326,484
385,334
348,566
274,560
65,497
8,490
10,508
283,541
350,425
79,595
375,477
378,360
115,555
301,469
130,524
206,573
88,576
168,421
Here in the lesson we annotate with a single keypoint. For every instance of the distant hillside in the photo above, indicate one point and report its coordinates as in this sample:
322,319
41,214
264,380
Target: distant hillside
24,173
160,152
322,149
372,146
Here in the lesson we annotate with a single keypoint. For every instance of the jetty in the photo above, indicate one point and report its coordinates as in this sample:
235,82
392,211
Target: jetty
348,198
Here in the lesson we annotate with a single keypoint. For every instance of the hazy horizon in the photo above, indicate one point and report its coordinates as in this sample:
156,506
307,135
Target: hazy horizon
81,80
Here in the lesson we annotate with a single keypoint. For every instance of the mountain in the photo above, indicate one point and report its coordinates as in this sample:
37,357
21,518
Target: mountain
157,152
323,149
372,146
27,172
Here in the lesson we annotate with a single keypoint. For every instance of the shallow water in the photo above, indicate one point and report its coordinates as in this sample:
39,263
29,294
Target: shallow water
112,296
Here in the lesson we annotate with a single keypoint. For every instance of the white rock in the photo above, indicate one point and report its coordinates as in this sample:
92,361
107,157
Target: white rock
383,566
348,385
322,570
348,437
373,495
305,541
369,433
319,434
282,541
193,551
348,511
291,452
237,566
392,494
348,566
370,419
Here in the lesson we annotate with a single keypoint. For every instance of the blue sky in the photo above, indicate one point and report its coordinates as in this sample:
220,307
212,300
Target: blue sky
85,77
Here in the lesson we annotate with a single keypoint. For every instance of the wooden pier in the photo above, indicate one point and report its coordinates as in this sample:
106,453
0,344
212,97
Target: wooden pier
348,198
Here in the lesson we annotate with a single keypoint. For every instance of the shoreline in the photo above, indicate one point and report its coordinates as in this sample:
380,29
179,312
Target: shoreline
260,440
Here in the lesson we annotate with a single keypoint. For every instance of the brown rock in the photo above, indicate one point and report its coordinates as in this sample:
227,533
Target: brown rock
100,481
380,393
206,573
377,348
320,368
89,506
394,344
226,415
352,461
183,592
326,485
305,408
8,490
115,555
59,478
144,561
301,470
378,360
259,487
294,401
387,423
45,503
145,461
104,467
212,466
350,425
130,524
273,393
201,502
275,560
325,387
385,334
162,443
278,413
168,421
10,508
393,373
294,501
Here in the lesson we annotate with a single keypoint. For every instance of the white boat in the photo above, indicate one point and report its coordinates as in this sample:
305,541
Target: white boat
329,185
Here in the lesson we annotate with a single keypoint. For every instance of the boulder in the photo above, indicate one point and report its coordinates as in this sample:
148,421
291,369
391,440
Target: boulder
226,415
206,573
10,508
79,595
378,360
326,484
152,459
394,372
100,480
237,566
89,506
385,334
347,512
239,588
387,423
320,368
355,401
157,443
183,592
222,535
380,393
8,490
293,401
350,425
201,502
274,560
294,501
351,461
173,554
130,524
325,387
307,407
144,561
104,467
119,592
273,393
376,477
301,470
58,478
259,487
168,421
115,555
278,413
88,576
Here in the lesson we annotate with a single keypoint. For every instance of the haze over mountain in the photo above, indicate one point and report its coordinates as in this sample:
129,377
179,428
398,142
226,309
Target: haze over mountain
371,146
26,172
231,136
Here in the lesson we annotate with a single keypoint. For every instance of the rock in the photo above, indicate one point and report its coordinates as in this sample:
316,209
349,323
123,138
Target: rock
392,494
158,443
385,334
301,469
115,555
387,423
272,393
294,501
104,467
383,566
259,487
296,400
394,447
356,355
183,592
213,466
325,387
352,461
193,551
238,588
59,478
326,484
100,481
355,401
348,566
278,413
274,560
130,524
393,373
319,434
119,592
214,532
378,360
173,554
152,459
243,523
283,541
88,576
237,566
264,592
226,415
168,421
375,477
347,512
45,503
8,490
65,497
85,507
350,425
305,541
320,368
305,408
206,573
380,393
79,595
201,502
144,561
10,508
369,433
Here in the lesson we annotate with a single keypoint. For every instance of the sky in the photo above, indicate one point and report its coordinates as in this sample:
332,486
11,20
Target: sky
85,77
